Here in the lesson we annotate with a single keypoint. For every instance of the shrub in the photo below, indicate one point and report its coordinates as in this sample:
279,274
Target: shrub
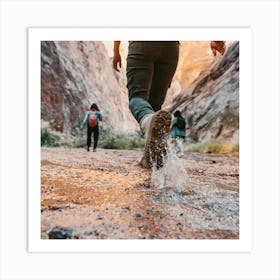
79,142
116,140
228,118
108,139
49,139
214,147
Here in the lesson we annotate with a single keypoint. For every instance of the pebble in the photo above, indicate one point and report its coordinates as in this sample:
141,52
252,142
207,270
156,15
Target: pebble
60,233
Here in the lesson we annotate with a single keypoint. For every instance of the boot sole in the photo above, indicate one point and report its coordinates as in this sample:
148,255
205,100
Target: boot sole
156,144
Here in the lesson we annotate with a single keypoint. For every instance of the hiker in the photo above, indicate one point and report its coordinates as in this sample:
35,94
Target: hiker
92,119
150,69
178,132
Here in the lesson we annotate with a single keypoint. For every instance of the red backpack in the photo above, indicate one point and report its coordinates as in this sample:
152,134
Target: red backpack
92,120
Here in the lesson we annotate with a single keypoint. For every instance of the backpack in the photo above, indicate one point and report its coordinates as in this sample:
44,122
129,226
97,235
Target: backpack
92,120
181,123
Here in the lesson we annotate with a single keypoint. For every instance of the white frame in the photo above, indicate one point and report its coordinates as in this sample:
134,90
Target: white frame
262,16
243,35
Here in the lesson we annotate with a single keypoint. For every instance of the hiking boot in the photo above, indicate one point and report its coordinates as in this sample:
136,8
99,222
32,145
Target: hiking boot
145,123
94,150
88,149
156,128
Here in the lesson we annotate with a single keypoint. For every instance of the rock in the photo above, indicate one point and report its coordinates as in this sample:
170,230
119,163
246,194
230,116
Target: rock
126,208
76,73
141,226
73,75
94,232
210,103
60,233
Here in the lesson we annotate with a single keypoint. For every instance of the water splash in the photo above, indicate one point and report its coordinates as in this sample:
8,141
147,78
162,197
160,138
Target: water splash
172,175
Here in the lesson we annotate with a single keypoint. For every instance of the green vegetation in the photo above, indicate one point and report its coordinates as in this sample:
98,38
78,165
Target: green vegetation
79,142
229,118
214,147
108,139
115,140
49,138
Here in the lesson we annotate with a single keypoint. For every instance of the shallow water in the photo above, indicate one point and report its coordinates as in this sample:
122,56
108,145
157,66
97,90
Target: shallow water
172,175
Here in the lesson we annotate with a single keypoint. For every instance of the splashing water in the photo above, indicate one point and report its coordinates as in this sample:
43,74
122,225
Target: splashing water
172,175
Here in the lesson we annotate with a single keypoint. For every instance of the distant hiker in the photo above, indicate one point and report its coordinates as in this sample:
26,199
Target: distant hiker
178,132
150,69
92,119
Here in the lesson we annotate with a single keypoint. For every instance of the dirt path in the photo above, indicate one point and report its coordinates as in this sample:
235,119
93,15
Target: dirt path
106,195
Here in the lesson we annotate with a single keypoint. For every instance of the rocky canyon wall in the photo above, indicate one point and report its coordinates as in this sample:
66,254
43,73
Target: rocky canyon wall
75,74
210,102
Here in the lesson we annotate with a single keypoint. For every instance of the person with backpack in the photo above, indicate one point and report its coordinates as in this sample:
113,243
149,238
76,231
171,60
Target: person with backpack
149,70
92,119
178,132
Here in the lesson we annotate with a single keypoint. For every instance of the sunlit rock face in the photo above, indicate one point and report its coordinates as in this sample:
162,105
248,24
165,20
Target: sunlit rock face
194,57
74,75
209,99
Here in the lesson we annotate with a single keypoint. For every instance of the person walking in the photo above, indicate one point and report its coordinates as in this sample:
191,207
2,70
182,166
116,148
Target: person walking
178,132
92,119
150,68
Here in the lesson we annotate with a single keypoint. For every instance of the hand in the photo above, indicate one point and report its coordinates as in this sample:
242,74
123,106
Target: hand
117,61
218,46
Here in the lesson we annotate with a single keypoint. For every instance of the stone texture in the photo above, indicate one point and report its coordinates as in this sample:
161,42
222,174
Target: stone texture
73,75
210,103
205,88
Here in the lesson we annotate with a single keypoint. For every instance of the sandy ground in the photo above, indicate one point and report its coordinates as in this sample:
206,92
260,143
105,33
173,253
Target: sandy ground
106,195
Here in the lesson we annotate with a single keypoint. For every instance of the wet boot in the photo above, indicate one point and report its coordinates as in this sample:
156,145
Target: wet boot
156,128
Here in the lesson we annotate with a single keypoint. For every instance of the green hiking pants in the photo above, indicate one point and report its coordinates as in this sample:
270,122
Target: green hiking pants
150,69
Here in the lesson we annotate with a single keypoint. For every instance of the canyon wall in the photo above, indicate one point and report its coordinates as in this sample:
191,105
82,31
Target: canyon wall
75,74
205,88
210,103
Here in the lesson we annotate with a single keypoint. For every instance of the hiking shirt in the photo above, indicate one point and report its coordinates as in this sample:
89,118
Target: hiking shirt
176,132
85,121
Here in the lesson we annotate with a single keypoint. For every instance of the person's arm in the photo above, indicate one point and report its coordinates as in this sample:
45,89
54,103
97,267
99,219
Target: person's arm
100,117
218,46
84,121
117,60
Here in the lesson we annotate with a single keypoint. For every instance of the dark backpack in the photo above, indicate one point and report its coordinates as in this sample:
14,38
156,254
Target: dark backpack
92,120
181,123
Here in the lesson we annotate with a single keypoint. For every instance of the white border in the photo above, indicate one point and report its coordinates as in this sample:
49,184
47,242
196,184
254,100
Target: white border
36,35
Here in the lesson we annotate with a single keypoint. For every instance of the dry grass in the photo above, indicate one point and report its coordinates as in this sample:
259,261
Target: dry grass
214,147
